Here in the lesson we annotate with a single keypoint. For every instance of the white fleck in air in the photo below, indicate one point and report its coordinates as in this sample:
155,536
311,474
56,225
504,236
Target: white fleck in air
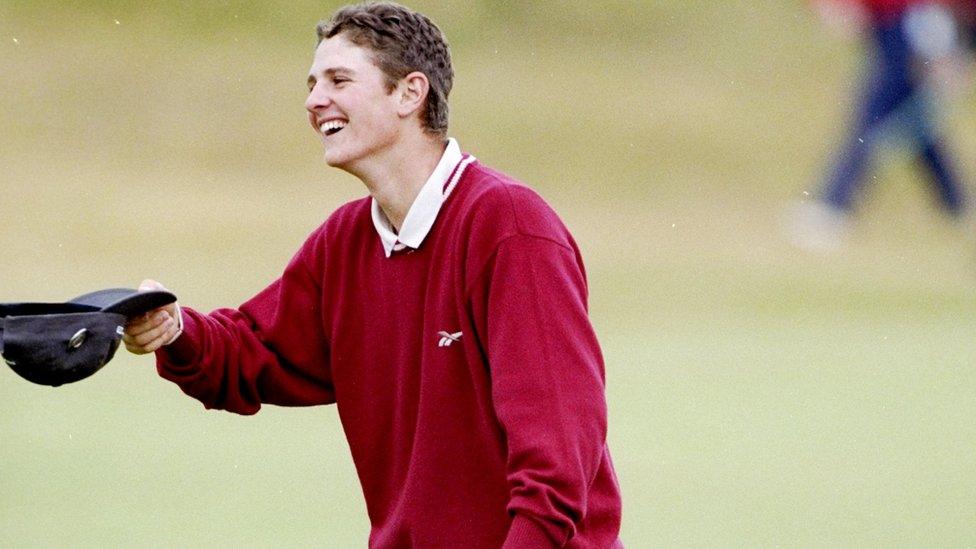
860,140
117,22
16,41
673,225
806,193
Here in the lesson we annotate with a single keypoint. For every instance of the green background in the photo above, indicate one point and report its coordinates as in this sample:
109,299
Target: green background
758,396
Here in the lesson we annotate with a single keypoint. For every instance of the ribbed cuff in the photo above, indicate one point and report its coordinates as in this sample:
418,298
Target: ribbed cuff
525,533
183,350
179,325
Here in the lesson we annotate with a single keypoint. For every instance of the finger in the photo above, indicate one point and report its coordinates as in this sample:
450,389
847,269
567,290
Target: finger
147,337
146,344
150,284
135,349
163,339
134,328
129,339
151,322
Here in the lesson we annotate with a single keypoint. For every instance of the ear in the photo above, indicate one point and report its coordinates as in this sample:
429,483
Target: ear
412,90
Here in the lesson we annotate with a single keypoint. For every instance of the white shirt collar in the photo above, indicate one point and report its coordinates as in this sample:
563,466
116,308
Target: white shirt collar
423,212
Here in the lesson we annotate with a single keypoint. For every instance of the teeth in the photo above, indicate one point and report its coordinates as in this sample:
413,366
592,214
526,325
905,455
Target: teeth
332,125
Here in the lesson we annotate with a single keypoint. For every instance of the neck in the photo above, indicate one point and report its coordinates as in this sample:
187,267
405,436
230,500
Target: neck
395,178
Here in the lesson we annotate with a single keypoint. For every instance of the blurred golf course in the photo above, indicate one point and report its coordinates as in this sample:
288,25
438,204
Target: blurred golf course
759,396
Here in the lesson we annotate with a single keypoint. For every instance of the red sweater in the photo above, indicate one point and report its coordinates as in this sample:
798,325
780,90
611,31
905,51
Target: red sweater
493,436
888,10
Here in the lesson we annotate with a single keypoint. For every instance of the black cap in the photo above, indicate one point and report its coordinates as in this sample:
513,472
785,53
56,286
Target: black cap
57,343
126,301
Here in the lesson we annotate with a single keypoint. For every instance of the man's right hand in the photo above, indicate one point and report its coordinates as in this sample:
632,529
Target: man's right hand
150,331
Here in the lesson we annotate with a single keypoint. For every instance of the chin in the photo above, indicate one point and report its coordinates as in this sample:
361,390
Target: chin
335,160
329,161
343,158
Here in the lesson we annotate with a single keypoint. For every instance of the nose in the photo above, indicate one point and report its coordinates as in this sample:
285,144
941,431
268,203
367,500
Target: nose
317,99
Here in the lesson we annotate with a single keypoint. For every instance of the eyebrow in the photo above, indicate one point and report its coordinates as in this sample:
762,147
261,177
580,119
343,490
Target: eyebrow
332,71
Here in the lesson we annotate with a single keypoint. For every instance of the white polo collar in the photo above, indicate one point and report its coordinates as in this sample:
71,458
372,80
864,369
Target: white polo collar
423,212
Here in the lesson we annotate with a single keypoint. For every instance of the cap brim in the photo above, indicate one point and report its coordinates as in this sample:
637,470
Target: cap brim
126,301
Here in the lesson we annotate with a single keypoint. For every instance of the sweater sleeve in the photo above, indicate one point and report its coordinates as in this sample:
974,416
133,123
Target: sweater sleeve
270,350
547,385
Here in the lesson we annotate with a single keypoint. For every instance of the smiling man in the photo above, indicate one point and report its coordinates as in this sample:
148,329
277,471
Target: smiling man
445,315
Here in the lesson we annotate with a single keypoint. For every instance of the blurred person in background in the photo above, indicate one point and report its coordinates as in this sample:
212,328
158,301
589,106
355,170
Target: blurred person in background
445,315
918,51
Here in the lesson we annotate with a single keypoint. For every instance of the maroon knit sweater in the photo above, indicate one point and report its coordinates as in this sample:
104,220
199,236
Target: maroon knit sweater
494,436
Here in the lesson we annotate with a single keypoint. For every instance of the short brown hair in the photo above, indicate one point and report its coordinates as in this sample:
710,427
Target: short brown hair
402,41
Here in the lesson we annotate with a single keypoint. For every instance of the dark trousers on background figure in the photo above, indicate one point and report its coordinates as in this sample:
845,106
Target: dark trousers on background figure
893,100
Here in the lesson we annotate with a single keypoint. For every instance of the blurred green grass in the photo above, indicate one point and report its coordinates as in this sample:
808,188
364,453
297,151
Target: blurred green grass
758,396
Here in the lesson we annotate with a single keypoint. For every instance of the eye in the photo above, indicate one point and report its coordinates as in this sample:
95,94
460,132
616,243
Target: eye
339,80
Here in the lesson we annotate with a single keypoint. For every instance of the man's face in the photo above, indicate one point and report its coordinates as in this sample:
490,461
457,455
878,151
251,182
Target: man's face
348,104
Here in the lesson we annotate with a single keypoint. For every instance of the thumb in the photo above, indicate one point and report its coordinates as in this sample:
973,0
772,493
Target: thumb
149,284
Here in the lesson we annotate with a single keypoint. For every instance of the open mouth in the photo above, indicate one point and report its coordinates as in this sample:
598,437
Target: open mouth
332,127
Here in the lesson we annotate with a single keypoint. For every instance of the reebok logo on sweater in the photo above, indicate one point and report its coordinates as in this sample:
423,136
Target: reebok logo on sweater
448,338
